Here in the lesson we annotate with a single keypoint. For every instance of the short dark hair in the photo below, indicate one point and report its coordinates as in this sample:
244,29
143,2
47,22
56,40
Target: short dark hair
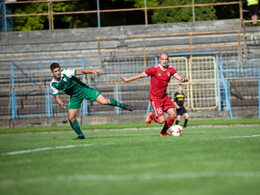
54,65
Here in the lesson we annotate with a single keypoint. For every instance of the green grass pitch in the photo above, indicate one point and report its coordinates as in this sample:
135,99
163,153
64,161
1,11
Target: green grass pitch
209,160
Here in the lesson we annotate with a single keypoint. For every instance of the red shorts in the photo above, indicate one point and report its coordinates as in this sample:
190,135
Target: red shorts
161,105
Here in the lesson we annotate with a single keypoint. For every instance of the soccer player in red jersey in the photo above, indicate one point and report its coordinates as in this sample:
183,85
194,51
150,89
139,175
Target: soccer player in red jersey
160,78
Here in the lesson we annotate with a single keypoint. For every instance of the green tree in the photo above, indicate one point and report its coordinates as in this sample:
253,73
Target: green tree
183,14
117,18
74,20
140,3
29,23
60,21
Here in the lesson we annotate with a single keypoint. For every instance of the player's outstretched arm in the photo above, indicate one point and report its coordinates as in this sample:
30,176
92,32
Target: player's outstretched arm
138,76
60,102
88,71
180,78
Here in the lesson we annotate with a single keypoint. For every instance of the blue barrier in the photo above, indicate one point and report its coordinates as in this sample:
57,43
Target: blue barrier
5,22
48,103
28,72
226,90
14,105
84,108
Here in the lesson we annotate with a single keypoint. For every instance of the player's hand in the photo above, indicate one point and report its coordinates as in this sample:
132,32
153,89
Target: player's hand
178,107
123,78
185,80
63,106
97,71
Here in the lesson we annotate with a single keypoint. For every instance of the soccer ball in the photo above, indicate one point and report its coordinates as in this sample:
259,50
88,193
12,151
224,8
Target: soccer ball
176,130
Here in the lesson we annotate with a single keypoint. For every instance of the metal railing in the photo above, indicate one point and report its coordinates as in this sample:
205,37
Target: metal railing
190,42
209,87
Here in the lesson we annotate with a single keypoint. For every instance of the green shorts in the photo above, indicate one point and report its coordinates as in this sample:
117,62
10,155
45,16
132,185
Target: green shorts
88,94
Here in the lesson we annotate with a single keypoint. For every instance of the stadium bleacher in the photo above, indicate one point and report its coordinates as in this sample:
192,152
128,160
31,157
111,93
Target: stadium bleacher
30,49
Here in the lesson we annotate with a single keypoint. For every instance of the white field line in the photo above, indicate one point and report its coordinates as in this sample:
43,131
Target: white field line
246,136
88,145
51,148
132,177
154,133
73,146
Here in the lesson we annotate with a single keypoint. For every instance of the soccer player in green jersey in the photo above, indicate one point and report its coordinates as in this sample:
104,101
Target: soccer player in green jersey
66,80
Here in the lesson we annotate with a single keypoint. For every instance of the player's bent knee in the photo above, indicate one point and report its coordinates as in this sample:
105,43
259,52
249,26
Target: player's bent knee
174,116
72,119
162,121
104,101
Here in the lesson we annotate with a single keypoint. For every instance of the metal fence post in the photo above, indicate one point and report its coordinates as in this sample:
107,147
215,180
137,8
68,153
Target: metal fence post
218,85
241,9
14,105
5,19
259,94
145,12
13,95
48,103
46,93
227,92
117,96
193,11
85,102
84,108
49,10
120,97
98,13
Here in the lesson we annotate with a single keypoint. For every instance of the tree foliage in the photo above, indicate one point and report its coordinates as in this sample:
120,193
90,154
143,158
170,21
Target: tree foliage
29,23
117,18
183,14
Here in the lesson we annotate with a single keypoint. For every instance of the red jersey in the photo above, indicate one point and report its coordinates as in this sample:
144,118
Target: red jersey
159,80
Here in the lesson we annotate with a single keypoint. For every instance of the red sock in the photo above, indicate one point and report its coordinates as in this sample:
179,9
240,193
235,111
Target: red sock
169,121
153,117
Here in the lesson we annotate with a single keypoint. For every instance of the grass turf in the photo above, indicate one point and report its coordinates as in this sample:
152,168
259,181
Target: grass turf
215,160
127,125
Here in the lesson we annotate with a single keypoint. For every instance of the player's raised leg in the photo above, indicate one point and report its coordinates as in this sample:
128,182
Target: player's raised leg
110,101
151,117
74,123
158,110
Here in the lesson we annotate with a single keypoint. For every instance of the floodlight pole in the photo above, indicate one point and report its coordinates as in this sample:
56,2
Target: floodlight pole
145,12
51,20
241,10
98,13
5,19
49,10
193,11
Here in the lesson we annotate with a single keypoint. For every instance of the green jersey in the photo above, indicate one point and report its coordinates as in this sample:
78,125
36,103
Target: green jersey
72,86
68,83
